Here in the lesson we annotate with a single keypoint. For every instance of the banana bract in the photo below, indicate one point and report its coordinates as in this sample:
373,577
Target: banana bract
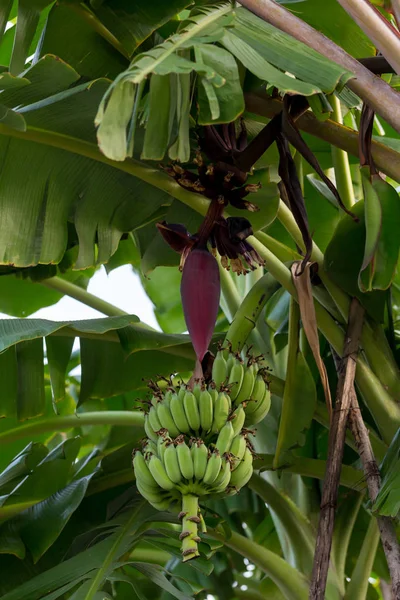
200,292
197,442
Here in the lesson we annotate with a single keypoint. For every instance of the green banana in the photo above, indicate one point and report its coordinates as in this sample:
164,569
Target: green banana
149,489
219,369
166,420
153,418
213,468
168,506
257,395
221,412
151,434
249,377
149,495
242,473
235,378
225,438
164,506
212,390
238,448
167,397
191,411
262,409
159,473
192,444
185,459
181,392
229,364
178,414
237,418
171,464
200,457
142,470
162,443
150,448
206,410
197,390
222,481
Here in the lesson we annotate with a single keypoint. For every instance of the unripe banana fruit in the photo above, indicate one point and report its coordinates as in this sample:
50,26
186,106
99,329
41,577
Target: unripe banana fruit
196,445
235,378
219,370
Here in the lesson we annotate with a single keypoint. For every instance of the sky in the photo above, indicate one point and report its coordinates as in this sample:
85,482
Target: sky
121,287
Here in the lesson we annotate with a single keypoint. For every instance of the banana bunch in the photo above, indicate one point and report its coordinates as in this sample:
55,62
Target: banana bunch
197,442
172,475
245,382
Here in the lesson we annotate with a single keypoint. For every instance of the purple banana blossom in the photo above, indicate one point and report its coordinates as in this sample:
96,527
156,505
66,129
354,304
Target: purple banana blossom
200,292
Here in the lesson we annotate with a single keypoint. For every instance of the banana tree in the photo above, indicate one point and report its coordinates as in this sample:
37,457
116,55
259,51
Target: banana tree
251,149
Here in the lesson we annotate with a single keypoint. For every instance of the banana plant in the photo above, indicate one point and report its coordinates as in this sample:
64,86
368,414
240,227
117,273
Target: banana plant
215,148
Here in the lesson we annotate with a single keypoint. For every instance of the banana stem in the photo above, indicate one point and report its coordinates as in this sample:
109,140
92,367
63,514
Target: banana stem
284,253
341,163
80,294
123,418
190,522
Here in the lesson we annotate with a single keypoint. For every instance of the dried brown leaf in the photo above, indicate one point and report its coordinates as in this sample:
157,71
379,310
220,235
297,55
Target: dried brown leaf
302,282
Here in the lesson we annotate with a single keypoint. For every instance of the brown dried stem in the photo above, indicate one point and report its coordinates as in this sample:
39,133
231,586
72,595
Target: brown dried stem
388,534
373,479
337,435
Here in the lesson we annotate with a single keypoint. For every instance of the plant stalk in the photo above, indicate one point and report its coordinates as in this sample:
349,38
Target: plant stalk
377,93
190,520
341,163
80,294
122,418
379,447
336,443
281,251
387,530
